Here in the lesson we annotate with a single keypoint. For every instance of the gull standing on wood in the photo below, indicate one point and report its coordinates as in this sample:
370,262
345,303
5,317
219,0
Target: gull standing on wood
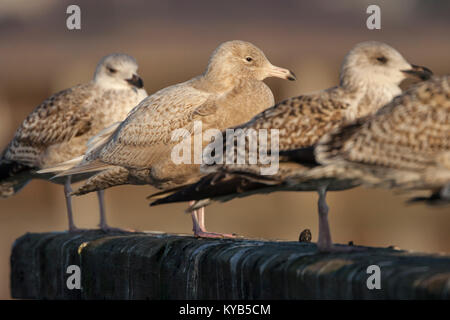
59,128
140,151
369,78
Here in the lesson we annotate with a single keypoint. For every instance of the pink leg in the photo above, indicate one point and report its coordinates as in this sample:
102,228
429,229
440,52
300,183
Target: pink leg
198,221
201,217
324,243
67,191
67,194
103,224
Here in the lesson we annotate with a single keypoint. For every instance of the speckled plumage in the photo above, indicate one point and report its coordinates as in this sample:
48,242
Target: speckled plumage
370,78
405,146
228,93
303,120
59,128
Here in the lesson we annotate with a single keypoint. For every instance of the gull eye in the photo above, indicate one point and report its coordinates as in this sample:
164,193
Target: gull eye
112,70
249,59
382,59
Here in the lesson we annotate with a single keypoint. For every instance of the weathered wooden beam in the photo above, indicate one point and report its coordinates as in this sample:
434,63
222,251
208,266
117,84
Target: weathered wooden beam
163,266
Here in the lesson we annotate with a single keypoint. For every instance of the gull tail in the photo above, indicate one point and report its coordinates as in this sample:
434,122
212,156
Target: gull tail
164,193
182,193
13,177
64,166
93,166
438,198
214,187
9,188
433,200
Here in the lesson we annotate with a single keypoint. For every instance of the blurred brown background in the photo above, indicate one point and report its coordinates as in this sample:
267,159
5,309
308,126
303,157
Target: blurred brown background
172,41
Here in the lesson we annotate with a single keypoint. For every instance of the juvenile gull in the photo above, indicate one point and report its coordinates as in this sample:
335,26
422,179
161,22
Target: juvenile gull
369,78
229,92
59,128
405,146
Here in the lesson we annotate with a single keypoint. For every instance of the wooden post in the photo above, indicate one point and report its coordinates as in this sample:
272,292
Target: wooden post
164,266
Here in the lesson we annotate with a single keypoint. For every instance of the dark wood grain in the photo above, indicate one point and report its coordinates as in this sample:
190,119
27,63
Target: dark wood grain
164,266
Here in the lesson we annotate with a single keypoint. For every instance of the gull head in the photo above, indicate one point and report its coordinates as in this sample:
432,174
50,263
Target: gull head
378,64
118,71
243,60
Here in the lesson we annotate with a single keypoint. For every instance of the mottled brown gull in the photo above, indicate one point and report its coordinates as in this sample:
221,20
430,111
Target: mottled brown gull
59,128
369,78
405,146
229,92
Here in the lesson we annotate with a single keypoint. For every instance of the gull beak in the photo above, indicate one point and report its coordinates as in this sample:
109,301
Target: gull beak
136,81
282,73
418,72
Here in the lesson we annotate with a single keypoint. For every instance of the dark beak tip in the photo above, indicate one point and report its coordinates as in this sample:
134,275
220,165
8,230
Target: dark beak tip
136,81
141,83
423,73
428,72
